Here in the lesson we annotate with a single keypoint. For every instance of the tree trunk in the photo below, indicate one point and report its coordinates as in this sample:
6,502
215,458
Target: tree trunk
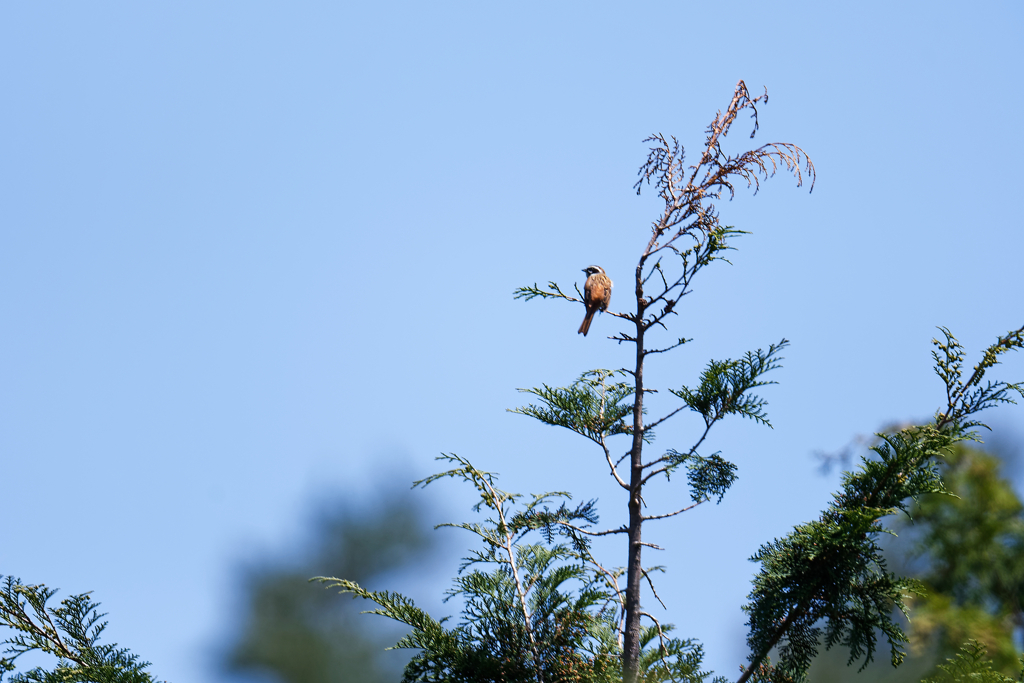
634,568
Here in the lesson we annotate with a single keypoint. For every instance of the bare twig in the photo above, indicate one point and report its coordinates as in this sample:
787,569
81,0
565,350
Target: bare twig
611,465
650,583
606,532
677,512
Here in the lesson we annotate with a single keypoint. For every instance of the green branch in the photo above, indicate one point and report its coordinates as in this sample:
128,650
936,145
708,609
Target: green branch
828,577
70,633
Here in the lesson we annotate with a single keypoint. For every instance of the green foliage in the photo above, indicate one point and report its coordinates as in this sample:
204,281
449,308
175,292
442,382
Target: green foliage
724,385
970,666
534,611
828,577
597,409
69,632
533,292
708,477
591,406
970,397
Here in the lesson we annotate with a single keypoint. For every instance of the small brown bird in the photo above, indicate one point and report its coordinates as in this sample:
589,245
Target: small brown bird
597,292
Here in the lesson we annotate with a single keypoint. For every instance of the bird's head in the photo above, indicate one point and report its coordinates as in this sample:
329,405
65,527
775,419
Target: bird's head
590,270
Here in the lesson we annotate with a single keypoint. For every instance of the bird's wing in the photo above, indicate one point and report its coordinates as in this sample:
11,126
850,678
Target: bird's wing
600,292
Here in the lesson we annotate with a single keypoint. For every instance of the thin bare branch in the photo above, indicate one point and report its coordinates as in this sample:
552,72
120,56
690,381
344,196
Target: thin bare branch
647,575
611,465
677,512
606,532
668,456
662,419
661,633
667,348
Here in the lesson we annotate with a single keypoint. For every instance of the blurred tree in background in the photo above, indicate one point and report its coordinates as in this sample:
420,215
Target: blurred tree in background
968,551
295,632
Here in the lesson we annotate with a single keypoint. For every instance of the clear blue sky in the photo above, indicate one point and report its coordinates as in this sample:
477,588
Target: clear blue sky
251,252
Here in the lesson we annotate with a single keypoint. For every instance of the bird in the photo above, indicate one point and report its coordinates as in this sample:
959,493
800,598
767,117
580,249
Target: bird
597,292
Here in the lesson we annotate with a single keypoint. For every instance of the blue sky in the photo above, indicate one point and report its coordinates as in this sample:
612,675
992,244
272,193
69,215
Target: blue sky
252,252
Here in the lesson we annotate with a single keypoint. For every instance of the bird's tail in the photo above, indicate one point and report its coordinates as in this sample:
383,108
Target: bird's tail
585,325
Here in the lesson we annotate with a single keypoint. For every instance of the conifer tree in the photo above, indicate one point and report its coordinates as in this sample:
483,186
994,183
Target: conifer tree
551,611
